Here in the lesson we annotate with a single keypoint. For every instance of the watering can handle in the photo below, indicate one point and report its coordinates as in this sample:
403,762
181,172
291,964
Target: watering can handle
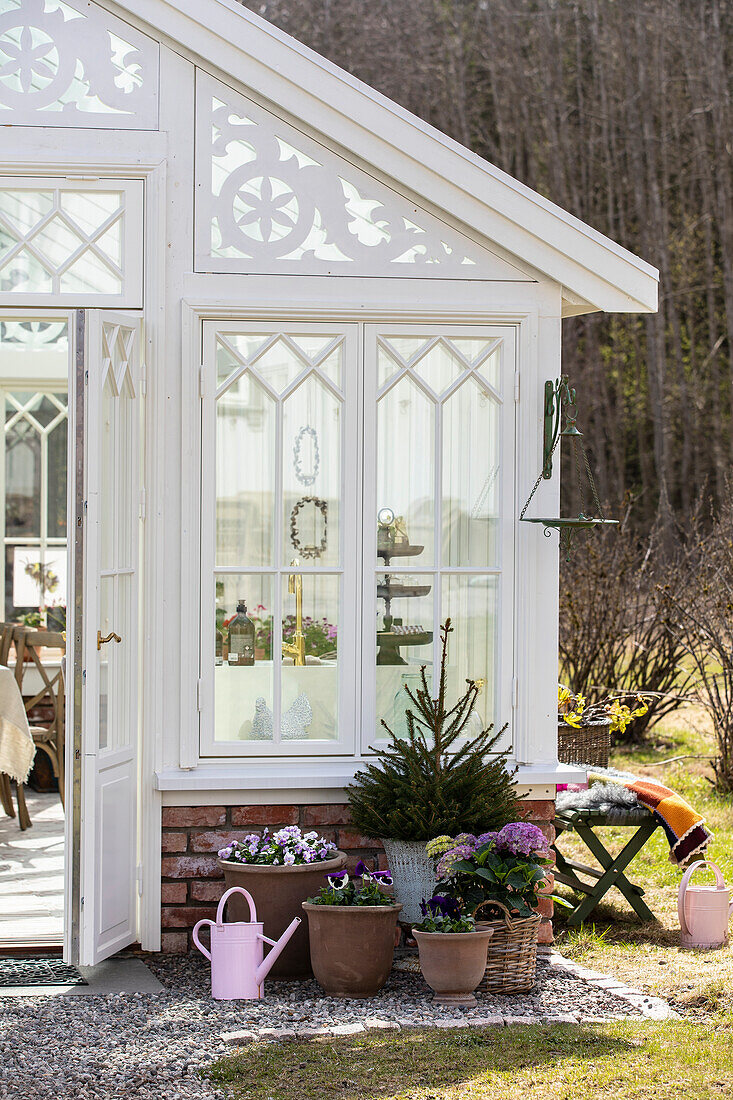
236,890
196,939
719,882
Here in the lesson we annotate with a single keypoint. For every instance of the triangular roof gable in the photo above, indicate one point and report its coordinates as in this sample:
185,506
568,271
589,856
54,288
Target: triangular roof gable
596,272
272,200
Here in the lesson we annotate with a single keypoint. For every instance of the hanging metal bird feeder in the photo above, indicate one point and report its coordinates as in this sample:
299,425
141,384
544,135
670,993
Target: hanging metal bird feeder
560,400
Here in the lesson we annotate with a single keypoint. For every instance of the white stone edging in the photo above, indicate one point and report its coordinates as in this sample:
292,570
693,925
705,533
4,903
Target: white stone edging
653,1008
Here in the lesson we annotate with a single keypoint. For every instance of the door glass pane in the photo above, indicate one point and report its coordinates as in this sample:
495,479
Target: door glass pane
243,658
472,603
22,470
405,470
109,431
471,476
311,474
245,474
106,617
57,463
404,643
310,667
116,662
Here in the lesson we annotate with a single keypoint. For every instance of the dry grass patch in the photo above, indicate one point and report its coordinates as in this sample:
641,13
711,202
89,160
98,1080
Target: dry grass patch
648,955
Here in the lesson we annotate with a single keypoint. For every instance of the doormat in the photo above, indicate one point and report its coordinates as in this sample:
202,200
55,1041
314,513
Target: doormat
37,970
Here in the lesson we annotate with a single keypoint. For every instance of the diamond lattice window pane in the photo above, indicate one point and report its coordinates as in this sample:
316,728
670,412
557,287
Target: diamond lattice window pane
439,367
25,274
280,366
57,241
23,210
89,275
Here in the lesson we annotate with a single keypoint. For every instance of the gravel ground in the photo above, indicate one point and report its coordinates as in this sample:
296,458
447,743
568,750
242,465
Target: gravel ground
152,1046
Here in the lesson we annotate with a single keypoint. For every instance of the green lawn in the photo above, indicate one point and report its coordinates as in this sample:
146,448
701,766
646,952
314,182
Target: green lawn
620,1060
647,955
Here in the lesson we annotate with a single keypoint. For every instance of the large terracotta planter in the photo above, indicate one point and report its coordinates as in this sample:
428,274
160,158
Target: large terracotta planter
278,893
352,946
453,963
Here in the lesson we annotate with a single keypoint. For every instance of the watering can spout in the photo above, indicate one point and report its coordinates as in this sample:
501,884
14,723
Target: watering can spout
264,968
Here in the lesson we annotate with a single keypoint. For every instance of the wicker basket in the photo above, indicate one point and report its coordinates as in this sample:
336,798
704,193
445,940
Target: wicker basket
589,744
511,961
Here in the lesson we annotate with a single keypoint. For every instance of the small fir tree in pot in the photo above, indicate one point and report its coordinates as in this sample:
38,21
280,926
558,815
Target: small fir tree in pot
425,785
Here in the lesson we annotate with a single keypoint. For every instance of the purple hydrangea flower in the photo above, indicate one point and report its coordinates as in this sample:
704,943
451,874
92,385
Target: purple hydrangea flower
486,837
468,839
521,839
460,851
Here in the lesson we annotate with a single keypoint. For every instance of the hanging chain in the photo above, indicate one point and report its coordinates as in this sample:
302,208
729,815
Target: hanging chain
591,479
536,485
576,452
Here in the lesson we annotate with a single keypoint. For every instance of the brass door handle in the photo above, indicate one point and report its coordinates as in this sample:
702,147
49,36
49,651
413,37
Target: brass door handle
110,637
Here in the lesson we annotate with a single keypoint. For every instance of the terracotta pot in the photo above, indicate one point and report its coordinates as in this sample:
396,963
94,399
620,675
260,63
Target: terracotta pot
352,947
278,893
453,963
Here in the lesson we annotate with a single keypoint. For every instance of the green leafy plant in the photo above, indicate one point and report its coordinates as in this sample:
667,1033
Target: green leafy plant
426,783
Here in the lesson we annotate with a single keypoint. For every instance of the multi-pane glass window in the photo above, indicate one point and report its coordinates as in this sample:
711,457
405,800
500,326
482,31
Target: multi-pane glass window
352,476
279,508
76,243
435,482
33,381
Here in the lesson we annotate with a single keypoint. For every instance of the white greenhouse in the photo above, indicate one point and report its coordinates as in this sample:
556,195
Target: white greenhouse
273,355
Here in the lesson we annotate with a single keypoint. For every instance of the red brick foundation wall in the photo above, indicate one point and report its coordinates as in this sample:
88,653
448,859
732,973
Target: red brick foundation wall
193,882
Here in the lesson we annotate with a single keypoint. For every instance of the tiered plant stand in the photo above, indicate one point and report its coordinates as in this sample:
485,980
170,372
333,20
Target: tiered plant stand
568,871
389,641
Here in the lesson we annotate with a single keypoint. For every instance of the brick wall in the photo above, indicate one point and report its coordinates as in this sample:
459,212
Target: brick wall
193,882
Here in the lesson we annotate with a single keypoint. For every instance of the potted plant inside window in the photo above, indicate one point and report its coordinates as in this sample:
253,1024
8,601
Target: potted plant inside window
280,870
351,926
505,871
431,781
584,730
452,951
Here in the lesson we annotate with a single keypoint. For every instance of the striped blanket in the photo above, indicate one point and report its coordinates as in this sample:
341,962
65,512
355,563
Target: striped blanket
685,827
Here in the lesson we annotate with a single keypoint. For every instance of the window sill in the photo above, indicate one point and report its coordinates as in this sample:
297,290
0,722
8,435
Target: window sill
320,774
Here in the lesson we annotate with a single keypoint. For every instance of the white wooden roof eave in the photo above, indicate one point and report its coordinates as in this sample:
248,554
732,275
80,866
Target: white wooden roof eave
596,272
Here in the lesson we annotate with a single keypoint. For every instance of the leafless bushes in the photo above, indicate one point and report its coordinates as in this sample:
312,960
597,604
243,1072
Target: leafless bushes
620,620
703,612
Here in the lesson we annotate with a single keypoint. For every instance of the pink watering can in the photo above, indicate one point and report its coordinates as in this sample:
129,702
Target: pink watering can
704,911
238,968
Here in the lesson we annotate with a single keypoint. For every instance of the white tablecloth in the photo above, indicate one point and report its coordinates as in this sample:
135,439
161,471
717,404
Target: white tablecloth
16,744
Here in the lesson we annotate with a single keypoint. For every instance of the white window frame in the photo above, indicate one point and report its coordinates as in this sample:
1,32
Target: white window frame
133,243
349,535
359,686
504,569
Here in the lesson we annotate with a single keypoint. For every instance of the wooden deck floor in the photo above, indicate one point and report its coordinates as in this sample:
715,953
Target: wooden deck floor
32,874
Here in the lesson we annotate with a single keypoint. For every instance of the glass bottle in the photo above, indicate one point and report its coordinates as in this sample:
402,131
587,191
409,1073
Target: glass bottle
241,637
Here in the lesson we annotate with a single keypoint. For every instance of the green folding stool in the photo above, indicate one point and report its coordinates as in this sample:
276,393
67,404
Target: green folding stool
596,883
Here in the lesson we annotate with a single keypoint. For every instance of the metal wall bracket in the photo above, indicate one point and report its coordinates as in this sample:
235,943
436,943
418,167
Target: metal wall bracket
559,396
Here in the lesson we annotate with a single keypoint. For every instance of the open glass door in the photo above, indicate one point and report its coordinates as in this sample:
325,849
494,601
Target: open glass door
109,645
